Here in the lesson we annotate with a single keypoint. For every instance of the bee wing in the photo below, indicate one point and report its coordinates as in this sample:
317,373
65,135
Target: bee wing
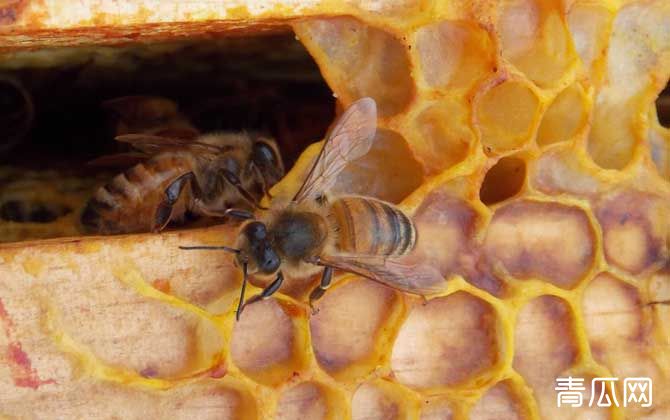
153,144
398,273
118,160
349,139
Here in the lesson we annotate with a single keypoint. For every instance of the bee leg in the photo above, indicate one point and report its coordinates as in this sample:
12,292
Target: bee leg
319,290
266,293
234,180
234,213
172,193
263,182
240,214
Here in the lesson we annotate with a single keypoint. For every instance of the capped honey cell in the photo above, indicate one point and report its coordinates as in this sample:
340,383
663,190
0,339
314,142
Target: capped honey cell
349,322
446,342
551,241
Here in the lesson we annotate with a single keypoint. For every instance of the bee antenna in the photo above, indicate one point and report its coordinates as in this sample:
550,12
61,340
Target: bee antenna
240,303
224,248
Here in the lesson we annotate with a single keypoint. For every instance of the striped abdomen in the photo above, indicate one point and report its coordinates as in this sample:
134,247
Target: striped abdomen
128,203
372,227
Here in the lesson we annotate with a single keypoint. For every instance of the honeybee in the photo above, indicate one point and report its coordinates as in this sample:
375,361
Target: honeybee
207,176
317,232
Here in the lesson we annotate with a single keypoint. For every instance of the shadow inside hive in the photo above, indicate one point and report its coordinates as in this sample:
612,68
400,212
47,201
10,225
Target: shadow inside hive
266,84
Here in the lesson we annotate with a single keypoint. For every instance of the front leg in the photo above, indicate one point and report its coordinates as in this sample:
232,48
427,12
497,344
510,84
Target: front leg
266,293
326,279
233,213
170,196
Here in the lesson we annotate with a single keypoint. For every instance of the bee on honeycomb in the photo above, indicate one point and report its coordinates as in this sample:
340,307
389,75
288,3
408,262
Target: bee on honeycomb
522,138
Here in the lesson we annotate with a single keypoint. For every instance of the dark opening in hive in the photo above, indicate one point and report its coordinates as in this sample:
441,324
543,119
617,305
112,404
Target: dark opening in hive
663,107
504,180
53,115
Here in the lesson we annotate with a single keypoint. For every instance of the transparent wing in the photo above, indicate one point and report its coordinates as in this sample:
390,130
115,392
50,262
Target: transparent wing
399,273
349,139
150,144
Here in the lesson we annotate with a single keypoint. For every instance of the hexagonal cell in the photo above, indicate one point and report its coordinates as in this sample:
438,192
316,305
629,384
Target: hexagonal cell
612,313
612,138
371,175
549,241
635,225
445,342
619,331
545,346
446,227
88,399
558,171
348,324
589,26
209,400
264,343
566,115
379,400
436,409
499,402
210,274
359,60
504,180
638,30
535,39
506,114
454,54
445,134
146,336
308,400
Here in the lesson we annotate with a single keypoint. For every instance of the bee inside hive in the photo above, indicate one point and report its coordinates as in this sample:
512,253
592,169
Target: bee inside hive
89,96
490,204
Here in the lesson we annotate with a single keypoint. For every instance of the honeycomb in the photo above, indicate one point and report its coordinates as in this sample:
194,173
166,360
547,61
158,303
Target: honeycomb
523,139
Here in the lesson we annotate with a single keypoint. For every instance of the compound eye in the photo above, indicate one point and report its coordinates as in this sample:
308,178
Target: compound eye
256,231
263,155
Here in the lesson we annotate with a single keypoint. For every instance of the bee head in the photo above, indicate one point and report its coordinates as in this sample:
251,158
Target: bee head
265,156
256,249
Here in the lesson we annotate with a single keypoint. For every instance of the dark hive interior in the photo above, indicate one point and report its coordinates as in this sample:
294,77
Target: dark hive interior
267,83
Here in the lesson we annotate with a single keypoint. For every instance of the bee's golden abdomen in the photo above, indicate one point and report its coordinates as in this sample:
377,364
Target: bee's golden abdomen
373,227
129,201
